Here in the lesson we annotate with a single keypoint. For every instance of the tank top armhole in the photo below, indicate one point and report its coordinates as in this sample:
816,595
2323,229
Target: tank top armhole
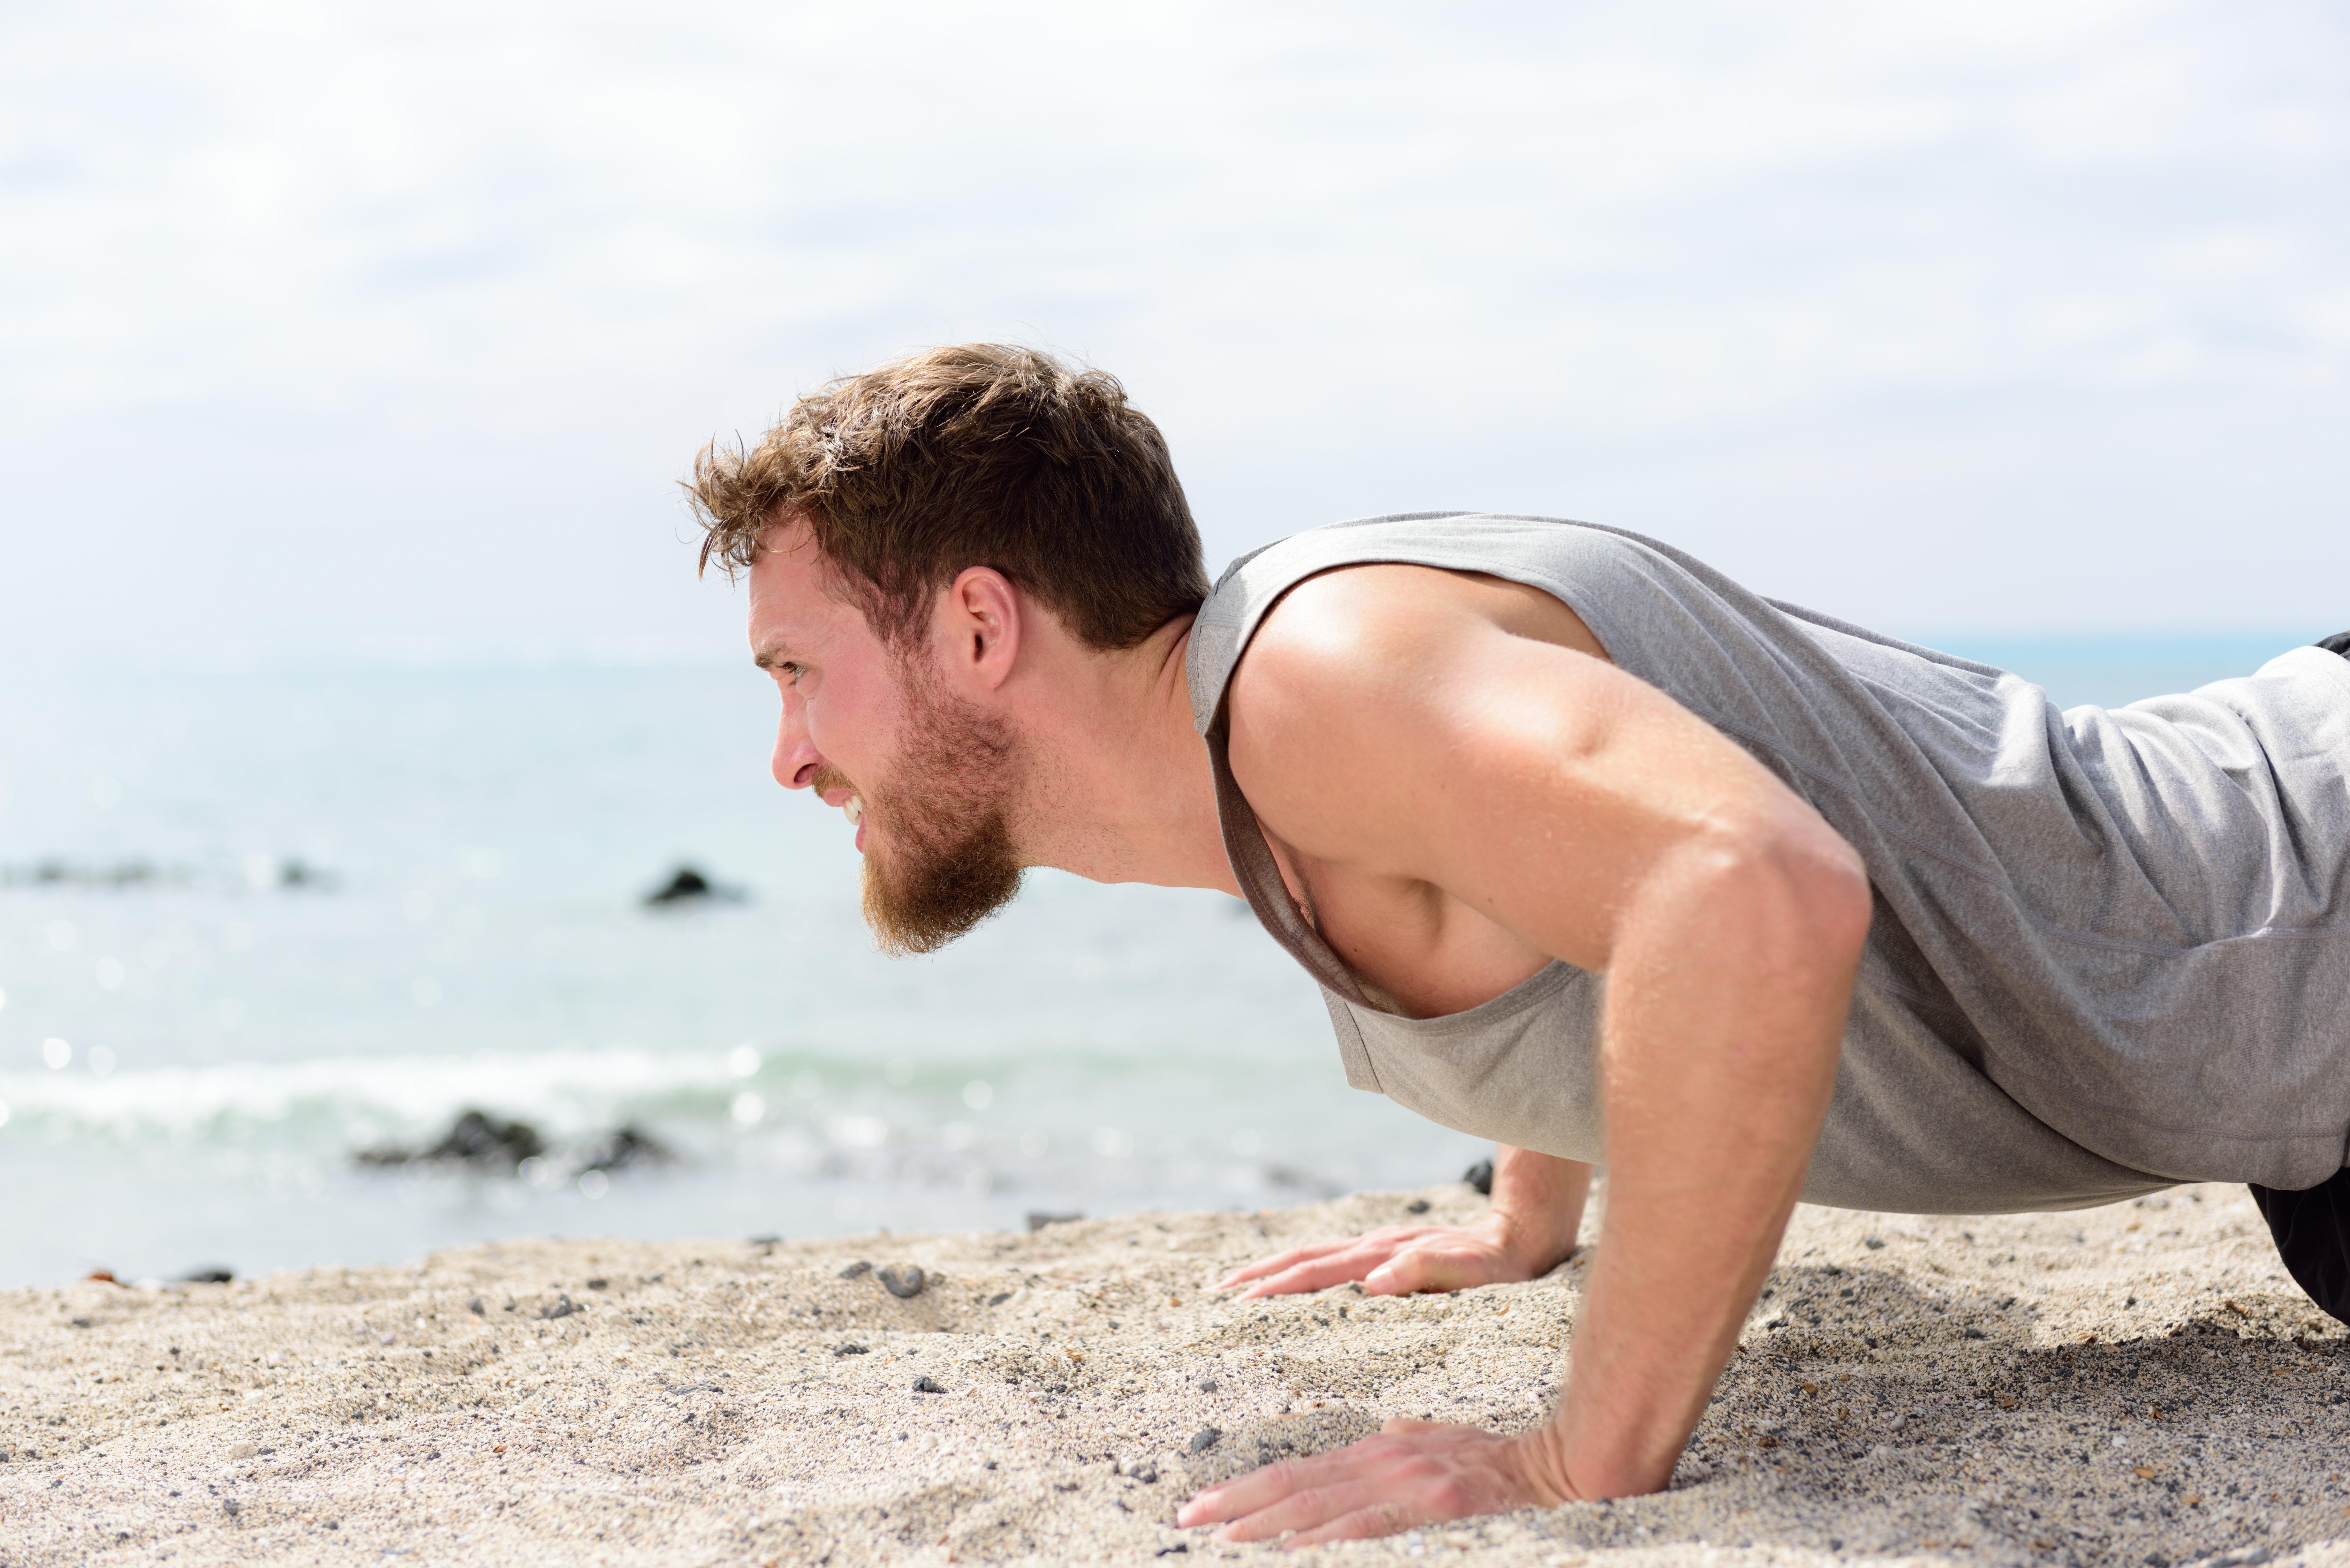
1259,875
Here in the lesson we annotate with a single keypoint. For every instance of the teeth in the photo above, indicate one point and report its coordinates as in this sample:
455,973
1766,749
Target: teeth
854,810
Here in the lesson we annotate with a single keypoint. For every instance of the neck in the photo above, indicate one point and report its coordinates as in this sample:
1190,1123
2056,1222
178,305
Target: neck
1117,785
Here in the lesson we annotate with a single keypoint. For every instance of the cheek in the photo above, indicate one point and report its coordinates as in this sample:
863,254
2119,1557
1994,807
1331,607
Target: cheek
852,718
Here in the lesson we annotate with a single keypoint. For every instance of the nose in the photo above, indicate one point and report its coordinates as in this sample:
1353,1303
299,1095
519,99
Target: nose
796,759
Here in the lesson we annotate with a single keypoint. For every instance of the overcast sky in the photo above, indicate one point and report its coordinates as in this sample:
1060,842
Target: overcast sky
386,330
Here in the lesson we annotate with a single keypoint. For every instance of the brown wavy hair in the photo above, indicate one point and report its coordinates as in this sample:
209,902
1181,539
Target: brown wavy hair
977,455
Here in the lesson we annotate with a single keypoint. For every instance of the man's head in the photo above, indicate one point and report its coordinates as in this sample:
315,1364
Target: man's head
979,455
898,527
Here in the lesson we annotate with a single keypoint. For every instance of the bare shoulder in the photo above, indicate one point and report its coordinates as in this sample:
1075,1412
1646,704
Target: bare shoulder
1373,644
1372,680
1356,616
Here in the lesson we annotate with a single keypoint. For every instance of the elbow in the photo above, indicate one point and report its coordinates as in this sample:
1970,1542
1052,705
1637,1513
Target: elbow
1828,883
1798,891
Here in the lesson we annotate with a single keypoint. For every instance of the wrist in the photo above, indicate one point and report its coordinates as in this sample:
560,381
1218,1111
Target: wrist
1531,1247
1532,1242
1541,1462
1537,1207
1608,1449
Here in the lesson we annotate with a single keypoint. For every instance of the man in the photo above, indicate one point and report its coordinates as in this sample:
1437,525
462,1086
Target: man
1591,851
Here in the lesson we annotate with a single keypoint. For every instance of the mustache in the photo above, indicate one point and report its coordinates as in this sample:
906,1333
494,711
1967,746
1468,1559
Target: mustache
828,777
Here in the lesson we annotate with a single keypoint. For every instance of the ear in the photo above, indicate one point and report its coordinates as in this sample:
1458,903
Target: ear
978,628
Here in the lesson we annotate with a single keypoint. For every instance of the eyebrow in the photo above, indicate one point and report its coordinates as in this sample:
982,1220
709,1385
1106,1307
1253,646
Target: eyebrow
770,656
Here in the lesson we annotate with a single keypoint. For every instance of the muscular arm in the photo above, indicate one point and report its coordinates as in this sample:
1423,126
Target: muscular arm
1393,732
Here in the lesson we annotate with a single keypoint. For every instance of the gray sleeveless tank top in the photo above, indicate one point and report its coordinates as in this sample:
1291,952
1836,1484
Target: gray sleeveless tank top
2111,948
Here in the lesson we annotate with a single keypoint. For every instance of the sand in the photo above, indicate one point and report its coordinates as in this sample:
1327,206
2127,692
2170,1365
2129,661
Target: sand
2135,1385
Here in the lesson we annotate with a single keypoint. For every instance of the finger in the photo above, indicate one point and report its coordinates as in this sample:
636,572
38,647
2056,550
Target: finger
1263,1488
1277,1262
1379,1519
1378,1243
1241,1495
1304,1510
1264,1266
1450,1264
1408,1424
1319,1274
1408,1273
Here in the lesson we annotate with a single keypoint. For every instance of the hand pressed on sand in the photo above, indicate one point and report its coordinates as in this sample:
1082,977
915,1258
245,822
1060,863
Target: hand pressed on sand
1413,1472
1528,1232
1397,1260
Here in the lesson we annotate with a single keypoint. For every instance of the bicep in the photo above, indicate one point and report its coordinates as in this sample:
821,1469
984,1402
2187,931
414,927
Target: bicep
1536,784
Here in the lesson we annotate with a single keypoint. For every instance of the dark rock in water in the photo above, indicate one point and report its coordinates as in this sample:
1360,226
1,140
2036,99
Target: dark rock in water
56,873
1480,1176
687,885
1204,1439
854,1270
479,1141
214,1275
904,1284
475,1138
624,1145
1038,1218
295,873
926,1385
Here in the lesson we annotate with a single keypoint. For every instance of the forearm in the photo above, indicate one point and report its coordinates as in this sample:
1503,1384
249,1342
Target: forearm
1538,1208
1725,1011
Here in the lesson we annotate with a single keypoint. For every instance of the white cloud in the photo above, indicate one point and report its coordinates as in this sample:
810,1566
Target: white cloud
336,326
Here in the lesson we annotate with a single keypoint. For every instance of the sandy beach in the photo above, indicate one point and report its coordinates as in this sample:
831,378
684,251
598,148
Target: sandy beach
2135,1385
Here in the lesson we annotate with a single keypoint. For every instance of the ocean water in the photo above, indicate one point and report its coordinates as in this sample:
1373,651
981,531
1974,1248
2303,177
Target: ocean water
195,1043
